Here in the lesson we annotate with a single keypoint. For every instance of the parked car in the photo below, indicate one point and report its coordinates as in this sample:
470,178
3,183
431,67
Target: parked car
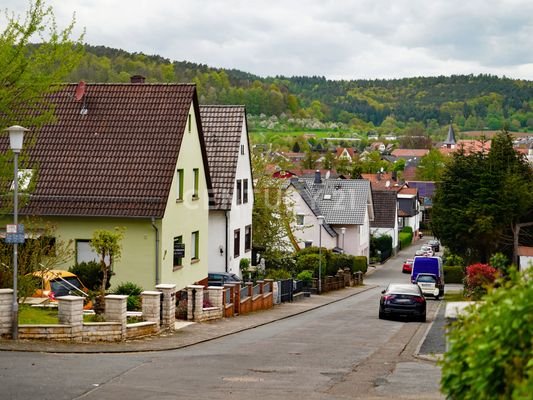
404,300
429,265
220,278
428,250
407,266
428,285
54,283
420,252
435,245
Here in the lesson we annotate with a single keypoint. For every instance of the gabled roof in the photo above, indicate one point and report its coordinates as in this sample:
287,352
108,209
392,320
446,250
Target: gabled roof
340,201
384,209
383,181
406,153
111,153
222,126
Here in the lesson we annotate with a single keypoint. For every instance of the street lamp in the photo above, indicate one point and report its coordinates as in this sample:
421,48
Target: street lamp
343,231
16,137
320,219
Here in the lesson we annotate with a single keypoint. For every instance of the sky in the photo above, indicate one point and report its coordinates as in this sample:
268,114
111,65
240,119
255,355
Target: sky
338,39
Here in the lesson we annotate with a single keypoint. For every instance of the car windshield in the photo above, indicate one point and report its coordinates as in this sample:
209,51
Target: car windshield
426,278
63,286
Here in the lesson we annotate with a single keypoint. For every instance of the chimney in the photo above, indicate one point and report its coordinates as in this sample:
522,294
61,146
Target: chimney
137,79
318,179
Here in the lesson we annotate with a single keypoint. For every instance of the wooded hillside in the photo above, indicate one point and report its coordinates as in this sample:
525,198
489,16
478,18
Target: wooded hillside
471,102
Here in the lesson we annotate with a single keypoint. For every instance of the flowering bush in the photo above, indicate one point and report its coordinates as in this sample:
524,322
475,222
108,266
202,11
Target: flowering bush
478,278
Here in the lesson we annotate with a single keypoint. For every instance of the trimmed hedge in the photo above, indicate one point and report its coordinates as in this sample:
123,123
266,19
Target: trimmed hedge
453,274
340,261
406,239
360,264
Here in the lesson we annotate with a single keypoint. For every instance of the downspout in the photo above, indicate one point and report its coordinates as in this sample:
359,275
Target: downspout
227,240
156,251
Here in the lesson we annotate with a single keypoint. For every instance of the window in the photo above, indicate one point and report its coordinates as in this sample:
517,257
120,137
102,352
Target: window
179,251
195,245
196,173
236,243
189,120
247,238
179,190
239,190
300,219
308,243
242,149
84,252
245,191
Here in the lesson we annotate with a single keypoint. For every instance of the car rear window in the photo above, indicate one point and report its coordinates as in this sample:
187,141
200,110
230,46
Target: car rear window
426,278
409,289
62,287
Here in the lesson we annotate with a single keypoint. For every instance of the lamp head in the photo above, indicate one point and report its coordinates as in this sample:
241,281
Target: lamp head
16,137
343,230
320,219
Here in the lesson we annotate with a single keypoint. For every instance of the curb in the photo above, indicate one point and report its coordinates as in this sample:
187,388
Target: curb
428,357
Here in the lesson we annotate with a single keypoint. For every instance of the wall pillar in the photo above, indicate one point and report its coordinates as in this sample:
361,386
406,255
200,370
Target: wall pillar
151,306
116,310
168,318
195,302
6,312
70,312
215,295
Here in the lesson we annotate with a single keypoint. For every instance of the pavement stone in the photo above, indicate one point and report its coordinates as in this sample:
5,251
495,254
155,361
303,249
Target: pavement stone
189,334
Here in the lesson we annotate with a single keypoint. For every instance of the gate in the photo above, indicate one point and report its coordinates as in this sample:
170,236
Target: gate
286,288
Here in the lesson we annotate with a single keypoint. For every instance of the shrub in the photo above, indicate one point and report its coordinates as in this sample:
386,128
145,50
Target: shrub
490,348
311,262
277,274
452,259
133,291
500,262
90,274
340,261
478,278
407,229
360,264
406,239
381,247
453,274
305,276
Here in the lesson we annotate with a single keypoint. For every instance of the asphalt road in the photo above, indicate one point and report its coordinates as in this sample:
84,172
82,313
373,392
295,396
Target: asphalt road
339,351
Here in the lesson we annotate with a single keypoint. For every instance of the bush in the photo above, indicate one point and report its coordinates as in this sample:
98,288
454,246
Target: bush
500,262
277,274
311,262
360,264
90,274
381,247
453,274
479,277
340,261
407,229
406,239
133,291
452,259
305,276
490,348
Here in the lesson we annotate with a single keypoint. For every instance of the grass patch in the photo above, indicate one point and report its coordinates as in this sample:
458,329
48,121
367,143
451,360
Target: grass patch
455,296
37,316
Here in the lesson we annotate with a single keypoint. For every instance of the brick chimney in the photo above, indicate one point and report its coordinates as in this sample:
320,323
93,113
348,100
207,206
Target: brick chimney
318,179
137,79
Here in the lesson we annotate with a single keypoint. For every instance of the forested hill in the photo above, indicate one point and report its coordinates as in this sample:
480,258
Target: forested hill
472,102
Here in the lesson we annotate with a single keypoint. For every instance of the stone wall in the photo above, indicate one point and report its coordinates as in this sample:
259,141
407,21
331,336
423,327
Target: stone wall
6,311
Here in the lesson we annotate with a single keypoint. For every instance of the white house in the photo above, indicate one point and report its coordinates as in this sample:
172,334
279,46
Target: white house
230,214
385,216
409,213
525,257
347,208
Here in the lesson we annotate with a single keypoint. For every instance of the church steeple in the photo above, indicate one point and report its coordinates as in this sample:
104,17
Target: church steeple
450,140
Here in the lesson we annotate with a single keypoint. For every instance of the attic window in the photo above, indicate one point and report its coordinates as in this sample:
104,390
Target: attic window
24,179
327,197
242,149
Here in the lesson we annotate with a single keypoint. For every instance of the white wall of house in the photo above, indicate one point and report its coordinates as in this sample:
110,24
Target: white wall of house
217,241
239,217
392,232
525,262
352,239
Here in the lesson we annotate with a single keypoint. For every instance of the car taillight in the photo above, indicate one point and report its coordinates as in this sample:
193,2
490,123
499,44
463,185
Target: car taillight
52,296
419,299
388,297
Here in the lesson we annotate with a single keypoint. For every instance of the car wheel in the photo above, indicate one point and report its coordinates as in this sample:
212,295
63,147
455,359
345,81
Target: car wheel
381,315
422,318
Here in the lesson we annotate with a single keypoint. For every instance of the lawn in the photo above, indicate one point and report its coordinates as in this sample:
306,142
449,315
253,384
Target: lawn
37,315
455,296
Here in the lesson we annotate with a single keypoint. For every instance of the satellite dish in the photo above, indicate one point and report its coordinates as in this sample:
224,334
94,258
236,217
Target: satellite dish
80,90
327,175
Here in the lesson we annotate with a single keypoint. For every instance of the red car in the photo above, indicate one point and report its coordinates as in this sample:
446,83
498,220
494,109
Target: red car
407,266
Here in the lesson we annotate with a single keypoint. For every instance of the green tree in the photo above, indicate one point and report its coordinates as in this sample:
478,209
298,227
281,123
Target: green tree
329,161
490,348
473,216
431,166
309,162
30,72
107,244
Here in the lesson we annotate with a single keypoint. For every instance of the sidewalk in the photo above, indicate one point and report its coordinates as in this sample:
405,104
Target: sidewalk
188,334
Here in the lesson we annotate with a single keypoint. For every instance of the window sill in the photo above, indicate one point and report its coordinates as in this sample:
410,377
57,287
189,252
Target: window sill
195,260
179,200
177,268
194,198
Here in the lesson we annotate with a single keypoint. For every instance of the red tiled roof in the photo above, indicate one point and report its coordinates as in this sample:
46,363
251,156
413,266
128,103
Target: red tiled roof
525,251
118,158
222,126
409,152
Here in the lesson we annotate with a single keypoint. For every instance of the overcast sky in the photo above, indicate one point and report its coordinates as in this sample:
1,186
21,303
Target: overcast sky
338,39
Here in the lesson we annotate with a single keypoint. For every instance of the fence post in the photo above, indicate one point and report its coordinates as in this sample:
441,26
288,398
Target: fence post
116,310
168,318
236,298
151,303
6,312
195,302
70,312
215,296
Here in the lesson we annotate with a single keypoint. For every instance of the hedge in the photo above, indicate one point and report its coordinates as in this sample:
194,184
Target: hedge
360,264
406,239
453,274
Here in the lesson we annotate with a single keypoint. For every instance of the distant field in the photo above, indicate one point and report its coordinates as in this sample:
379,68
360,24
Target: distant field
490,134
309,134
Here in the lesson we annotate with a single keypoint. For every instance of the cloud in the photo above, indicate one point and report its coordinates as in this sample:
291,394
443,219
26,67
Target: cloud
342,39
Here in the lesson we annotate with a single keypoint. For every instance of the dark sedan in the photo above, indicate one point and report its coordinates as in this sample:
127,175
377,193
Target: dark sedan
402,300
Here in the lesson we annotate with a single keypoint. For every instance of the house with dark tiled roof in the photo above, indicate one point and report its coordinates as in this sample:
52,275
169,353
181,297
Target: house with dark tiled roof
347,208
385,216
230,216
126,155
409,213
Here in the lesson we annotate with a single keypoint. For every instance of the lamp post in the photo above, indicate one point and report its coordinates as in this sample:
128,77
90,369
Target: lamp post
16,137
320,219
343,231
